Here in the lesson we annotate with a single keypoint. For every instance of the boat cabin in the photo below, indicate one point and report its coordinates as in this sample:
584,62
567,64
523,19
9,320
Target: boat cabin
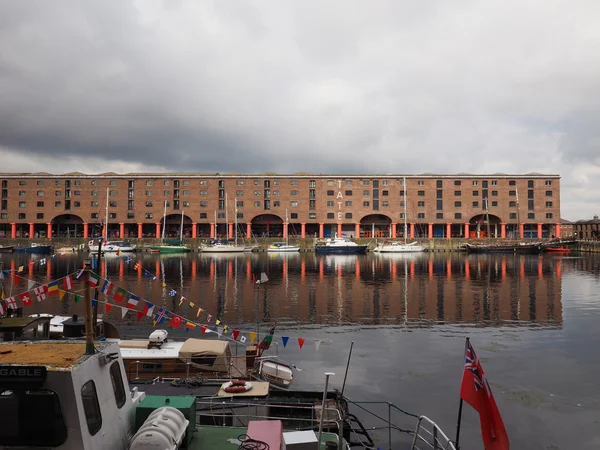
19,328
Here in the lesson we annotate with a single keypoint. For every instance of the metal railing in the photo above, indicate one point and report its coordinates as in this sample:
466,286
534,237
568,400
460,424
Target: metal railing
429,435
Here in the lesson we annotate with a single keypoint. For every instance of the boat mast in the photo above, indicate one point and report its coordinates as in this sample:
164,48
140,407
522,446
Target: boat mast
164,222
216,225
235,212
181,229
518,214
286,230
405,192
106,219
226,219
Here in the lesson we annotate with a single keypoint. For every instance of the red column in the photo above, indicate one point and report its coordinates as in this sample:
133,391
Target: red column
393,231
121,230
539,231
557,231
521,230
466,231
448,230
412,230
86,231
194,231
230,231
285,230
430,231
31,231
13,230
212,230
321,233
339,230
49,231
357,230
248,231
157,230
140,234
303,230
503,230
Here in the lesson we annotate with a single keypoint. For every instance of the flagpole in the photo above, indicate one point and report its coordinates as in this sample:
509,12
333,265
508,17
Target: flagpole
460,405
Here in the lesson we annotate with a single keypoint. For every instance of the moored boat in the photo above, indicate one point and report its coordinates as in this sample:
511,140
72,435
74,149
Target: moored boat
112,247
282,247
523,247
38,249
7,248
339,245
399,247
221,246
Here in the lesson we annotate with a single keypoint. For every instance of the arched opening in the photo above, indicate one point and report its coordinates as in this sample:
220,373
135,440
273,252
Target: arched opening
484,225
173,226
267,225
66,226
376,226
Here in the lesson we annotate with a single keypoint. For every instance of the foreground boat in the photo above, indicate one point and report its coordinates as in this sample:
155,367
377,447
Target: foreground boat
342,246
533,248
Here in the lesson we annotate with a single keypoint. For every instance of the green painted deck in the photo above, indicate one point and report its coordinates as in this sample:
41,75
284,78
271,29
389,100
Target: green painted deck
224,438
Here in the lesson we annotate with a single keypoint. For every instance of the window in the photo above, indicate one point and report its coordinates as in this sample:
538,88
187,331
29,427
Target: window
276,204
41,183
457,204
77,193
22,216
76,204
312,204
548,215
439,193
512,193
475,193
421,193
439,215
294,193
293,204
166,193
421,204
366,193
267,184
57,183
494,193
457,182
276,183
148,215
494,203
257,204
113,182
512,215
94,193
548,193
366,182
312,184
112,193
402,204
3,216
530,205
548,204
94,215
366,204
376,184
91,408
294,183
330,183
40,204
438,184
40,215
112,204
222,215
384,193
530,215
204,215
402,193
421,216
348,216
348,203
57,193
375,205
203,183
240,204
257,193
22,204
402,215
475,204
40,193
94,204
348,193
186,193
348,182
484,184
512,183
530,184
330,215
330,203
330,193
167,182
294,215
112,216
439,205
186,182
475,183
512,204
23,410
203,193
457,215
494,182
22,183
117,384
312,215
240,215
383,203
239,193
548,182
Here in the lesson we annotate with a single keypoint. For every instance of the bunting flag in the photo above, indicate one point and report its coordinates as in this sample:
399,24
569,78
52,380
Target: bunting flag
235,334
128,260
148,309
11,303
203,328
243,339
94,279
25,299
175,321
68,283
77,298
94,303
182,300
199,312
140,314
106,287
217,322
40,293
172,292
284,339
317,344
124,312
119,295
300,342
61,295
79,273
16,279
108,307
21,269
161,315
209,318
133,301
30,284
191,305
189,326
43,261
53,288
252,337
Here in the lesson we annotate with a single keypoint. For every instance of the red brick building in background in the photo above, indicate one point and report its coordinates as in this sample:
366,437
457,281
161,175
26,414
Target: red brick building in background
364,205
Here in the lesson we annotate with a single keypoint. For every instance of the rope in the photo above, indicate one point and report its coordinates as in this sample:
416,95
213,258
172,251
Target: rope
247,443
190,382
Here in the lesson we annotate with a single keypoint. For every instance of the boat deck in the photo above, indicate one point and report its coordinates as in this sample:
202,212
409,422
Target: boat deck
227,438
57,356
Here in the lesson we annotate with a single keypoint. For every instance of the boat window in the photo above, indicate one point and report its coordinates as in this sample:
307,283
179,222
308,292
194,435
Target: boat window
204,360
117,383
91,408
31,419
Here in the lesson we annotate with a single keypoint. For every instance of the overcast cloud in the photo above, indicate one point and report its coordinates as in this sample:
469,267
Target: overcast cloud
317,86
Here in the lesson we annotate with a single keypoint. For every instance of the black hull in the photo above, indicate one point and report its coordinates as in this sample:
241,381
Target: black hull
40,250
350,250
528,249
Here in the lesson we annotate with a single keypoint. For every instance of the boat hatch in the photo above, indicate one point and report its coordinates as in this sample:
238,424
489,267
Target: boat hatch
206,354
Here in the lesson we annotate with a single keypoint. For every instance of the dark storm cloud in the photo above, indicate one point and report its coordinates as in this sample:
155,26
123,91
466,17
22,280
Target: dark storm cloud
219,86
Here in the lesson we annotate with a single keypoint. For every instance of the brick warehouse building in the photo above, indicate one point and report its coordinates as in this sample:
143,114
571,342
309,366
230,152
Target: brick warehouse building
368,205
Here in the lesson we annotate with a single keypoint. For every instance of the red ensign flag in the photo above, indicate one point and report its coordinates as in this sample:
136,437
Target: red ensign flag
476,391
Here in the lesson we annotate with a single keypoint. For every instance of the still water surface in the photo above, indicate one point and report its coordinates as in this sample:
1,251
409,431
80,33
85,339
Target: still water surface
532,320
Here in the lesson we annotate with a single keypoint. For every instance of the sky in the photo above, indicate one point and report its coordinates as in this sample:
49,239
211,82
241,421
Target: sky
398,86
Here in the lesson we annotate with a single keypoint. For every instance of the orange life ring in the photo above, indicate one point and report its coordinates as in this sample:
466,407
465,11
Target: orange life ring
237,386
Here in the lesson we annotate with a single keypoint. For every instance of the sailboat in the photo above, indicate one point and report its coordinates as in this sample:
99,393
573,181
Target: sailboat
224,246
284,246
170,246
401,247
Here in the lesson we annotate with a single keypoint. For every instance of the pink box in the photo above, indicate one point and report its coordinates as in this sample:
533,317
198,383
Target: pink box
269,431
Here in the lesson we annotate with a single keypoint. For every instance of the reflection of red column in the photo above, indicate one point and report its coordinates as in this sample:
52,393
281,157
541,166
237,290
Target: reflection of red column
268,227
339,231
521,230
540,267
467,231
303,230
503,230
321,272
157,230
194,230
49,231
503,268
357,230
248,231
103,268
49,268
522,267
339,271
412,230
212,230
140,233
139,271
430,230
558,269
412,270
157,268
230,270
449,269
31,231
230,231
357,269
121,269
285,230
321,233
13,265
430,269
393,231
86,231
285,269
30,269
448,230
121,230
467,270
194,268
394,271
211,271
13,230
539,230
248,270
303,270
